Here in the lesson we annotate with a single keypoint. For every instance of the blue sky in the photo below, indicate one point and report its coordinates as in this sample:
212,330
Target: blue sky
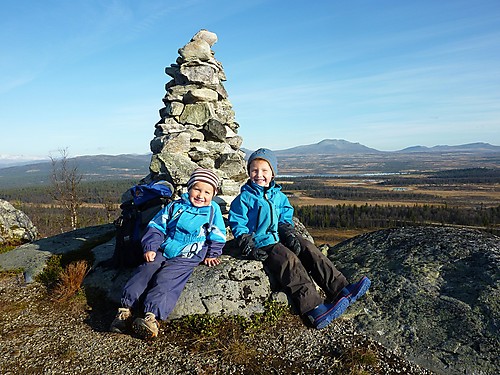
88,76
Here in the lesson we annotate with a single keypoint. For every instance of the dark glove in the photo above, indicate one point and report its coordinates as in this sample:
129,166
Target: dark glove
248,249
246,244
289,238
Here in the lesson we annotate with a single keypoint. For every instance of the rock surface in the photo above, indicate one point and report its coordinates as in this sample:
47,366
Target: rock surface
32,257
15,226
435,295
41,337
235,287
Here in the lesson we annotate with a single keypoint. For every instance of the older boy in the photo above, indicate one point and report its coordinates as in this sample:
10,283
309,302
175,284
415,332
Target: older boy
187,232
260,218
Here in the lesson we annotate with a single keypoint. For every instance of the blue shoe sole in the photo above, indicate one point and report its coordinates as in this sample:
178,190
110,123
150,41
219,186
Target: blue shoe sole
332,314
362,287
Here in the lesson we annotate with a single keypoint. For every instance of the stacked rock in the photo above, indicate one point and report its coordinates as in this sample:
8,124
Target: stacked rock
197,126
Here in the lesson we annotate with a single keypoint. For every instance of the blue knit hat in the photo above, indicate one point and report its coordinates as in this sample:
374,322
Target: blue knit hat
267,155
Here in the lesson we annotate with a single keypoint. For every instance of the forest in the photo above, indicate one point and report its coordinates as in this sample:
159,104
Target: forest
352,206
377,216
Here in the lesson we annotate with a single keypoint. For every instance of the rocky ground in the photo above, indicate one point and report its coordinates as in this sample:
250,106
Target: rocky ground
44,337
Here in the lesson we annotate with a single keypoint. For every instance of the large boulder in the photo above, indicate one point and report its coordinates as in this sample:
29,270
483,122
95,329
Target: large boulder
435,295
235,287
15,226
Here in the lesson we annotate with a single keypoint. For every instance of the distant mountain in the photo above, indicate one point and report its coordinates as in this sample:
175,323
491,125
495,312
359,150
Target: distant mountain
325,147
91,167
7,161
329,146
478,147
135,167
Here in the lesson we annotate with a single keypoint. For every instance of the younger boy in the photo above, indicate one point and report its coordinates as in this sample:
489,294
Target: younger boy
185,233
260,218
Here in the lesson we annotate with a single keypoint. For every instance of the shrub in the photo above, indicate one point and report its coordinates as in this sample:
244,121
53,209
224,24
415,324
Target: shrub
70,281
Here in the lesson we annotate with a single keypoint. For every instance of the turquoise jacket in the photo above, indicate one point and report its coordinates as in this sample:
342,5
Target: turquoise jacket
181,229
258,210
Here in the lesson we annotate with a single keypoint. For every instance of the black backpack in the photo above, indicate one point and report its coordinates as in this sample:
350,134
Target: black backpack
139,205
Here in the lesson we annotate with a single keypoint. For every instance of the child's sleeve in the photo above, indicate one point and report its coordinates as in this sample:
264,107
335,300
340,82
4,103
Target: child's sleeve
156,230
286,210
238,217
216,237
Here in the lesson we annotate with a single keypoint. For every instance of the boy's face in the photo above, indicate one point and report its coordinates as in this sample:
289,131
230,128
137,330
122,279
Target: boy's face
260,172
201,194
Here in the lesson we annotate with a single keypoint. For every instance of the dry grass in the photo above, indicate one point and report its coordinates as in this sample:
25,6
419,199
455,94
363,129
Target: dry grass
308,201
461,195
70,281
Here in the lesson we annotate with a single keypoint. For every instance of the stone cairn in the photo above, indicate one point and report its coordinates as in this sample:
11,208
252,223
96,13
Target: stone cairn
197,126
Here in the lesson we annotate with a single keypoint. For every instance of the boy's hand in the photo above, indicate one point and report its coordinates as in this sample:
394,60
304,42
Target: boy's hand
246,244
288,237
259,254
210,262
248,249
150,256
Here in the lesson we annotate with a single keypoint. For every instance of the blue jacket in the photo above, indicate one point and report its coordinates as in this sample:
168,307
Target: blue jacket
258,210
181,229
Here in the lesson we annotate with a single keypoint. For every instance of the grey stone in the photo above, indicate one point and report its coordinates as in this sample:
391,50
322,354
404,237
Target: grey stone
235,142
200,95
207,36
169,126
435,295
197,49
196,135
232,165
15,225
177,166
178,78
203,74
172,109
214,130
198,153
197,114
177,143
224,112
230,187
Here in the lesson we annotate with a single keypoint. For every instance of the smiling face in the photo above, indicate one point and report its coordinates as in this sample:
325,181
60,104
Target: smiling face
201,194
260,172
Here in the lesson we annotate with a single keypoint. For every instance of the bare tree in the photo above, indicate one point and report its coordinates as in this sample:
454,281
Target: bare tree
66,185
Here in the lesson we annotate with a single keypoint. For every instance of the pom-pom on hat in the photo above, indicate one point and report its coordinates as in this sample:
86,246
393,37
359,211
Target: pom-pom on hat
267,155
204,175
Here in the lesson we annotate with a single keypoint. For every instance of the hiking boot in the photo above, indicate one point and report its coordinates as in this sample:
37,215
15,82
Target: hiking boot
147,327
121,321
353,291
325,313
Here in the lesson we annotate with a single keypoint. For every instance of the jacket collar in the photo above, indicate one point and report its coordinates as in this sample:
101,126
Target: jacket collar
260,190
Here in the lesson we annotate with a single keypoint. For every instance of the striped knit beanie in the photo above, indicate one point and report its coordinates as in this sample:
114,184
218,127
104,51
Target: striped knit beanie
204,175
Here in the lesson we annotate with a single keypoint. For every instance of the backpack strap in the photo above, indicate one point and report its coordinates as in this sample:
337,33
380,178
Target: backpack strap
212,214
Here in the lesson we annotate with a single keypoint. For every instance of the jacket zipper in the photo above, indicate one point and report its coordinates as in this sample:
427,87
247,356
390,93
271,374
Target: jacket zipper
269,228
